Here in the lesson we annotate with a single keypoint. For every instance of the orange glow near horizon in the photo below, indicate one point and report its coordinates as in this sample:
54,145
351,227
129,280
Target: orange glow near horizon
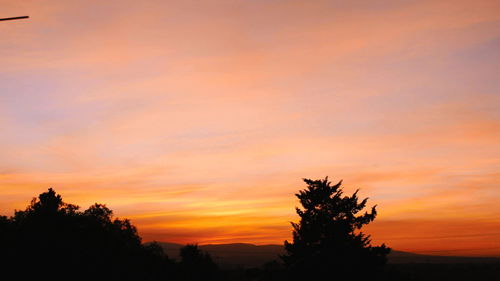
198,119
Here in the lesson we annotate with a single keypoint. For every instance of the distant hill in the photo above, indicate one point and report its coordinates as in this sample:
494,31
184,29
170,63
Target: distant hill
233,255
249,255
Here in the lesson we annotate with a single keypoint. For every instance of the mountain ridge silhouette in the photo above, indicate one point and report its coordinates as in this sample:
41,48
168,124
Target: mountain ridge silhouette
247,255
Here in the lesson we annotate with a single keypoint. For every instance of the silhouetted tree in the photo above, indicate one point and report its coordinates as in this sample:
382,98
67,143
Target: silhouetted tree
197,265
52,240
327,241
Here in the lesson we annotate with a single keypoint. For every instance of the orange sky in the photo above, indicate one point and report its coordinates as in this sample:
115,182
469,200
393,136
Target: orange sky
198,119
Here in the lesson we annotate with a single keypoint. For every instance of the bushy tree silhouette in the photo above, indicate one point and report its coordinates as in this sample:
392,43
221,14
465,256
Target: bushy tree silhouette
197,265
52,240
327,241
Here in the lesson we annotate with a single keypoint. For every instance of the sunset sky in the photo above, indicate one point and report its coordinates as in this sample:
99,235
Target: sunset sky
198,119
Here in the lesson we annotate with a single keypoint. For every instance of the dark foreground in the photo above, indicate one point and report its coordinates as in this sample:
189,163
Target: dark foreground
252,262
411,272
54,240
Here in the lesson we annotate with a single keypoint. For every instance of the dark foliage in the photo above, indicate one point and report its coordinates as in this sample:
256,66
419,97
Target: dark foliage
197,265
53,240
327,241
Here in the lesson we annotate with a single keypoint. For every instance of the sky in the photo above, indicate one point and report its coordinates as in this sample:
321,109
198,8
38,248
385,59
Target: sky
198,120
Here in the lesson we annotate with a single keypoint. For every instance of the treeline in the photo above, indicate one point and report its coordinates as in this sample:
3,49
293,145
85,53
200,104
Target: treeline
54,240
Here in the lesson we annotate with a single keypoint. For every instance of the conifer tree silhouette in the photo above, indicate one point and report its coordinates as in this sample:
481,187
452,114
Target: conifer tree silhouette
327,240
